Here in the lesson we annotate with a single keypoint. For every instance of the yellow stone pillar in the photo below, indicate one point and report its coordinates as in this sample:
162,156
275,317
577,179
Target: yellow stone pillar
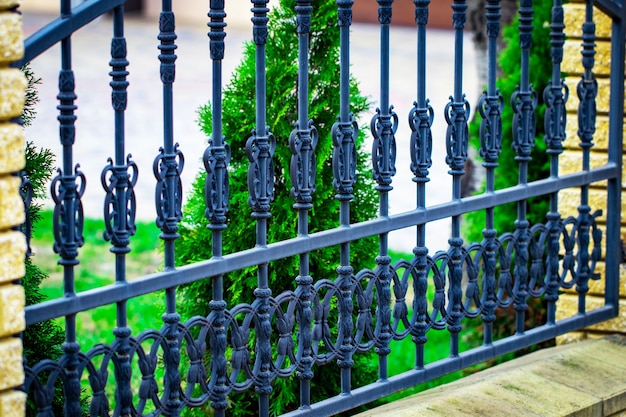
570,160
12,243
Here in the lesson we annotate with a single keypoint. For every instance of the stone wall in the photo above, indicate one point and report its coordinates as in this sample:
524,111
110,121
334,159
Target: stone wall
570,160
12,242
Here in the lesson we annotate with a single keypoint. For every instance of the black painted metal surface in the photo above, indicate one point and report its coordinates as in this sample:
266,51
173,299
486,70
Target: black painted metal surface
286,331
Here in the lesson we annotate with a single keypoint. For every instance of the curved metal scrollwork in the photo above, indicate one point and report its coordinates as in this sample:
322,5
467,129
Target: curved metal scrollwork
302,168
344,156
449,303
260,150
168,166
457,133
384,127
420,121
66,194
120,205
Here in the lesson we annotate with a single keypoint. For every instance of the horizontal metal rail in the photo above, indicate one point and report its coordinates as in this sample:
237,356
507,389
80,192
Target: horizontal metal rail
231,262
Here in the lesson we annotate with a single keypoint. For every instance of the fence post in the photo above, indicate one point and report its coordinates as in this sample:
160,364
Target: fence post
12,242
569,200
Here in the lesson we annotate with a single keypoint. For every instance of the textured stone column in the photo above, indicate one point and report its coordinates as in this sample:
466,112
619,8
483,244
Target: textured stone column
569,162
12,243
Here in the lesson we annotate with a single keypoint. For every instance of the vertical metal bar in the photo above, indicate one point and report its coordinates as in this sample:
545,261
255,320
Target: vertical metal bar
587,90
616,134
260,148
216,159
119,208
490,108
456,114
523,101
167,168
383,126
420,121
555,96
302,142
68,214
344,170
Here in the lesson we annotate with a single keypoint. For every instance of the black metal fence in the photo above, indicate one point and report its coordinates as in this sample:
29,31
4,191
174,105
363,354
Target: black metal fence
286,332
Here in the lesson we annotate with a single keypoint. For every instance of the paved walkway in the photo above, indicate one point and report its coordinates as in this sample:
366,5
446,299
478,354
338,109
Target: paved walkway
94,125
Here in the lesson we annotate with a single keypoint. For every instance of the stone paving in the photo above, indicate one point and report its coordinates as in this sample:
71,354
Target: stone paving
94,125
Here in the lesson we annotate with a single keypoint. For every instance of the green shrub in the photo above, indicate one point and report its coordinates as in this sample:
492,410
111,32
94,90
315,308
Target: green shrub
238,119
506,175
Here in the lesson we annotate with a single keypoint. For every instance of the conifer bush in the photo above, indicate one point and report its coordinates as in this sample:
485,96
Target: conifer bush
238,120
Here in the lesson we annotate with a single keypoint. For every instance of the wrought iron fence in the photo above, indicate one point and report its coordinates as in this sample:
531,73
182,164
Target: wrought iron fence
286,332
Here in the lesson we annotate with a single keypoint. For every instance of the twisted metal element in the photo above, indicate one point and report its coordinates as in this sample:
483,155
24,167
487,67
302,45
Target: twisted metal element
167,168
555,96
523,101
457,138
490,109
120,208
383,126
587,91
344,133
216,192
302,143
67,188
260,149
421,147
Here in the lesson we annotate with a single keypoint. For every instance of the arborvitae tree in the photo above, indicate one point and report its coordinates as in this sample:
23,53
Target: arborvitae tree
540,75
238,120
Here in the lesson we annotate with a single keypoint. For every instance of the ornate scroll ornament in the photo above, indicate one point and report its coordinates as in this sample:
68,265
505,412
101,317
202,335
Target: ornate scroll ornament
66,194
216,190
344,13
260,150
383,129
259,20
384,11
118,73
217,25
421,12
167,47
167,169
490,109
344,156
303,166
457,134
587,90
524,104
555,98
420,121
120,206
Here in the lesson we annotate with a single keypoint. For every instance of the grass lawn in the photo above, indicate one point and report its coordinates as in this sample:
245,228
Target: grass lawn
96,269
